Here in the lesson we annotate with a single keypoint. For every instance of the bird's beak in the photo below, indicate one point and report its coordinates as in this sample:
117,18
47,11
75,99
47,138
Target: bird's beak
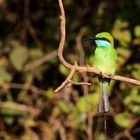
90,38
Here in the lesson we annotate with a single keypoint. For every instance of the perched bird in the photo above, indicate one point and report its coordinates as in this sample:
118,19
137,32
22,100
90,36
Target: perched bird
105,61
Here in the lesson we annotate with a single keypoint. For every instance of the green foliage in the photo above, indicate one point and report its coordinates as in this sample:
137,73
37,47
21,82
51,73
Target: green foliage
88,103
137,31
121,32
10,115
27,122
64,107
101,137
26,137
123,119
49,93
4,76
7,136
63,70
18,57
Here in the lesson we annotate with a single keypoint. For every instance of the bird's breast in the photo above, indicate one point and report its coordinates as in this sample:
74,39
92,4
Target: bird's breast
104,61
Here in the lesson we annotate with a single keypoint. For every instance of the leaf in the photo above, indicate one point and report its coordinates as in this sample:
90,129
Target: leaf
87,103
75,77
122,56
82,104
49,93
9,120
4,76
77,119
136,71
133,97
64,106
11,112
123,119
35,53
137,31
121,33
63,70
93,99
18,57
7,136
28,122
26,137
136,109
101,136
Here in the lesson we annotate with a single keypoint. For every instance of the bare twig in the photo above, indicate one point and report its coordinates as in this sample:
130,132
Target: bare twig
58,126
81,68
68,78
19,107
32,88
81,83
28,24
89,129
40,61
33,33
82,59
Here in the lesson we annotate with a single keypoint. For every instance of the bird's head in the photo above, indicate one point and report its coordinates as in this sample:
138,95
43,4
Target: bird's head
104,39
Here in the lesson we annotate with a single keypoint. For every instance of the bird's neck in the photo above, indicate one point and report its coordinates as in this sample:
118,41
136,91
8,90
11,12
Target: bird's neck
104,47
103,43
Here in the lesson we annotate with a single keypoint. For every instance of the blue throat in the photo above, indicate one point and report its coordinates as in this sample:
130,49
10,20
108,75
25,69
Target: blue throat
102,43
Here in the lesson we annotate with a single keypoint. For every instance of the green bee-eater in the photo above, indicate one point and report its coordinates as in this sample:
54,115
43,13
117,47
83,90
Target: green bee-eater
105,61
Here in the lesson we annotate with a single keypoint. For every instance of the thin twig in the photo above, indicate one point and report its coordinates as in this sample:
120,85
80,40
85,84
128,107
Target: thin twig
58,126
19,107
82,59
40,61
28,25
80,83
89,129
68,78
32,88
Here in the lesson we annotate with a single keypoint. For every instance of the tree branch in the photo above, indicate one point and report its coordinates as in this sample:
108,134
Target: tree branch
32,88
19,107
40,61
68,78
81,69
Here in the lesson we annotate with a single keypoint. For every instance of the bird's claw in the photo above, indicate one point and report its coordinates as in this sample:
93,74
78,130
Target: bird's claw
111,76
102,74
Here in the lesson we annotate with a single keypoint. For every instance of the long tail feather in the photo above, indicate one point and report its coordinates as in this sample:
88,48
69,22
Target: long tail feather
103,101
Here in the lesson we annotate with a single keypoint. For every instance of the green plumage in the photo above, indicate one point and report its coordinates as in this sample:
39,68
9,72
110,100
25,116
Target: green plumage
105,61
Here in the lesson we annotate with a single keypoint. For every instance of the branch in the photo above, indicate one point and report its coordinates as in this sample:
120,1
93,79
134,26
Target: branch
82,59
32,88
82,69
19,107
40,61
68,78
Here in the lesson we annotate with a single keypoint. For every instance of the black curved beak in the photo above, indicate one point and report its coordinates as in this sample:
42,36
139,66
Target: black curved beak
90,38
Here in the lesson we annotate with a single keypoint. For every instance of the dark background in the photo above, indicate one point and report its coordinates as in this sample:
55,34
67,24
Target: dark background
30,70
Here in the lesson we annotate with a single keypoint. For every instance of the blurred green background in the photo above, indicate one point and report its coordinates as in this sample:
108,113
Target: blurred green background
30,70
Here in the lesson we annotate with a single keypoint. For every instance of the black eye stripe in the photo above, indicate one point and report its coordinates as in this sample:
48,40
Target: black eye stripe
103,39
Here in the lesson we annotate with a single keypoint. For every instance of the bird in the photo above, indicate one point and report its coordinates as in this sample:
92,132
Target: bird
105,61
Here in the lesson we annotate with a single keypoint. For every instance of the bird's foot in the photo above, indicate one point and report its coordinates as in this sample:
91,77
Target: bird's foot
102,75
111,76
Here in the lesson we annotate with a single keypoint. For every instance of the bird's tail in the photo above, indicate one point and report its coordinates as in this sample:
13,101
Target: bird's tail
104,101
